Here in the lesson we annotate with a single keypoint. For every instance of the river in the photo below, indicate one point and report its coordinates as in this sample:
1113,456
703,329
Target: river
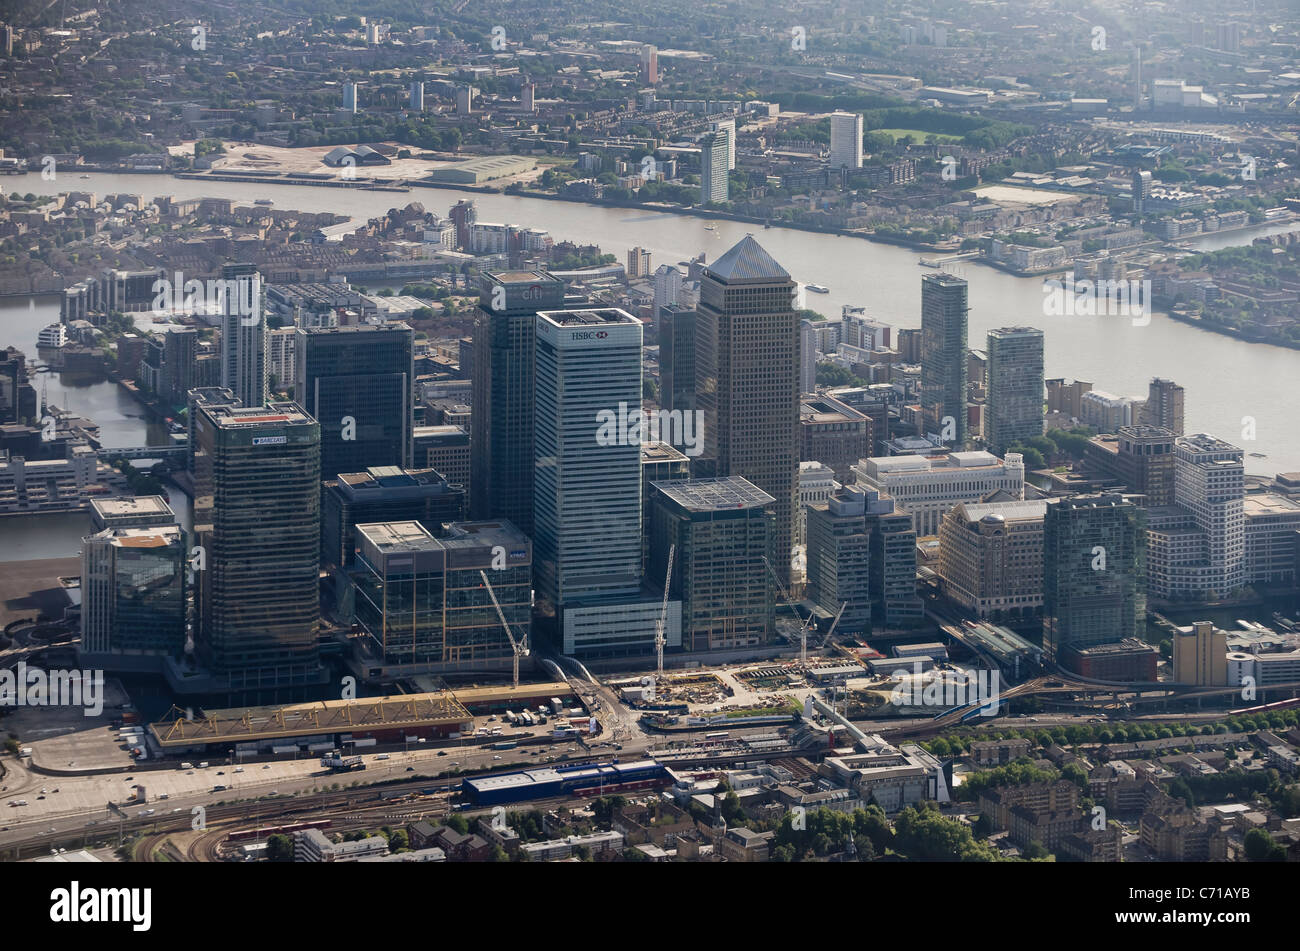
1226,380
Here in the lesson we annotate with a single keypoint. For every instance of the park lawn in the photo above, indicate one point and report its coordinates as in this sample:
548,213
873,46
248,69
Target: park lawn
917,135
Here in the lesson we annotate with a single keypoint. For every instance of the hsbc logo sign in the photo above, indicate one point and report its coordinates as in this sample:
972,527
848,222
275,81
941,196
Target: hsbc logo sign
589,335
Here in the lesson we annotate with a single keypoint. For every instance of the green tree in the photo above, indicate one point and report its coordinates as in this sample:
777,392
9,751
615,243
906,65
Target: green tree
279,848
1260,847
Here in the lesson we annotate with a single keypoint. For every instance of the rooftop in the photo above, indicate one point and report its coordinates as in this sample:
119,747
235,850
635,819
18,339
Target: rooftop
747,261
140,505
231,417
584,318
710,495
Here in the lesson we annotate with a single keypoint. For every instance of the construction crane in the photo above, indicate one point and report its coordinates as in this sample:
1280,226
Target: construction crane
520,647
660,637
803,625
838,614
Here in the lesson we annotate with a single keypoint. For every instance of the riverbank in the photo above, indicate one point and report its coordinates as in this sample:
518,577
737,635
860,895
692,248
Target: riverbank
1200,324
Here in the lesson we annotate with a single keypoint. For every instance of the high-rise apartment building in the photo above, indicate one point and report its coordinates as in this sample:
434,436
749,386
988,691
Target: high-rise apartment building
1015,387
943,357
747,377
714,150
257,519
1094,574
1164,406
501,433
846,140
243,334
417,96
587,489
649,65
638,262
358,382
667,288
729,127
180,364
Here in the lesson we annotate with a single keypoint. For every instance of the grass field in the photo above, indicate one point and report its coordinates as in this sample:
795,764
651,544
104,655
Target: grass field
917,135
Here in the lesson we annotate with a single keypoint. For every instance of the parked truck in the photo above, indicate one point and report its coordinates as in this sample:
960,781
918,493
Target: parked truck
339,763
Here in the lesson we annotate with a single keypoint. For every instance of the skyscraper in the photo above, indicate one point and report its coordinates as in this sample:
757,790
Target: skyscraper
421,603
1164,406
358,384
350,97
722,529
243,334
1015,387
649,65
1140,188
638,262
714,152
677,358
839,557
807,356
501,440
1094,573
257,519
1198,544
667,288
846,140
943,357
180,360
748,379
417,96
132,586
729,127
587,493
